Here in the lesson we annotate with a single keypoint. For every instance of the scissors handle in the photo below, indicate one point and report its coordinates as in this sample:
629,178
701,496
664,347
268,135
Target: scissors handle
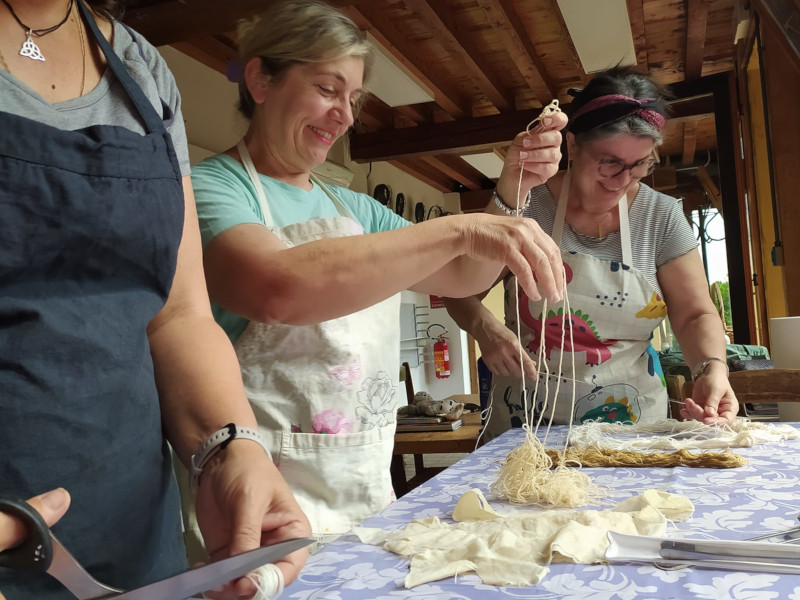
35,553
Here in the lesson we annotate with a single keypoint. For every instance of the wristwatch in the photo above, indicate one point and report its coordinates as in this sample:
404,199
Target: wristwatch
703,366
217,442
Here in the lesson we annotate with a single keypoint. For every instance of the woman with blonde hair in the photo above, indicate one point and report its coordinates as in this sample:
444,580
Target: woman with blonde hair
305,276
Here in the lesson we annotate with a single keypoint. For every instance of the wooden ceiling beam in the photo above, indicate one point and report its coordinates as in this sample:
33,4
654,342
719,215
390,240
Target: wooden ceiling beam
376,114
562,24
696,23
636,17
501,16
691,106
460,170
426,174
475,201
446,30
454,137
172,21
210,51
710,188
418,113
476,133
689,142
368,18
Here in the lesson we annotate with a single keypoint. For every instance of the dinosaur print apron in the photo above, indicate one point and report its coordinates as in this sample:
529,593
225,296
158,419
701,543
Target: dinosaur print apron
608,365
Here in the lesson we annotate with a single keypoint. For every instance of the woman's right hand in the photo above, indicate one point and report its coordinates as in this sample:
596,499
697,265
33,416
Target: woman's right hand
51,505
523,247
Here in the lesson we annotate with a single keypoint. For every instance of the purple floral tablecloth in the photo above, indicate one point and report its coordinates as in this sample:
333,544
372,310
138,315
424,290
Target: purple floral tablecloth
760,497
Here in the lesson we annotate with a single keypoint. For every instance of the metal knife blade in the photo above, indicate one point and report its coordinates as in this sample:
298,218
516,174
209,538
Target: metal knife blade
213,574
727,549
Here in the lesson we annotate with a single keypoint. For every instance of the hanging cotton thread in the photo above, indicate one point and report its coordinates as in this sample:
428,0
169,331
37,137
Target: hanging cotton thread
527,475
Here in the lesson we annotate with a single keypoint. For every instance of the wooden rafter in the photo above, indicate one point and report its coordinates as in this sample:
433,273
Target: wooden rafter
418,113
697,20
171,21
445,29
376,114
375,22
426,174
501,16
556,10
710,188
636,17
210,51
460,170
477,133
689,142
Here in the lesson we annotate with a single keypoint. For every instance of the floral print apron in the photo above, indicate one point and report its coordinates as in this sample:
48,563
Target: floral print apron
325,394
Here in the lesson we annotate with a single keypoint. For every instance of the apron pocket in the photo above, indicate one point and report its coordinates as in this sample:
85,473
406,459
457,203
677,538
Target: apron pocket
338,479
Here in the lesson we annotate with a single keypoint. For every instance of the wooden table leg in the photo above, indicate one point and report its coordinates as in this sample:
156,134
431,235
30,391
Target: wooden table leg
398,471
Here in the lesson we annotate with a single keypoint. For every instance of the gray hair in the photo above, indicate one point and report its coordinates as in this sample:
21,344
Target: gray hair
626,82
298,32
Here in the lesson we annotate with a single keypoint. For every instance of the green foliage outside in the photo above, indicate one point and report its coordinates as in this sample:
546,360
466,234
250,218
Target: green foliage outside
725,296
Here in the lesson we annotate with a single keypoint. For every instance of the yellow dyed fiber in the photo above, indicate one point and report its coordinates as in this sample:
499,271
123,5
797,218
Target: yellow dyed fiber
603,457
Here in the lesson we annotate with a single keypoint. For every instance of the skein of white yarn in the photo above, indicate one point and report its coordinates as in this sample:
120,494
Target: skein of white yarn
269,582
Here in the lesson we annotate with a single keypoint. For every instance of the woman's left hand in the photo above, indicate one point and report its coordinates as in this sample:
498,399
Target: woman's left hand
243,502
713,401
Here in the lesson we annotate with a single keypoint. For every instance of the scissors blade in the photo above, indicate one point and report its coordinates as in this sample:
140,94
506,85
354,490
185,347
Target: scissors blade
213,574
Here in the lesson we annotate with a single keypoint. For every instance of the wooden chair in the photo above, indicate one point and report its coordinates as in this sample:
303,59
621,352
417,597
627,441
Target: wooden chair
751,387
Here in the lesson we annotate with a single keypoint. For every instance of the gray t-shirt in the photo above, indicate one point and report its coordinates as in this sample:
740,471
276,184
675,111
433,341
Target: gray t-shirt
108,103
660,231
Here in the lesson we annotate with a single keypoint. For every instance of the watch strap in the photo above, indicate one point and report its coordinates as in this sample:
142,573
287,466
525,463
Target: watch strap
217,442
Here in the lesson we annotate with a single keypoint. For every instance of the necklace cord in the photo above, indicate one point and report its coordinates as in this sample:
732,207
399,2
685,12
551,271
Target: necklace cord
44,30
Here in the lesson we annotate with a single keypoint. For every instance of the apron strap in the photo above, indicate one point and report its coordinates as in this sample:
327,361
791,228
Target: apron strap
247,161
624,221
625,231
151,119
254,179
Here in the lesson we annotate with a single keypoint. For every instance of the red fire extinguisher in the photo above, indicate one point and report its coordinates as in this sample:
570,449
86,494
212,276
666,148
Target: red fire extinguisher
441,354
441,358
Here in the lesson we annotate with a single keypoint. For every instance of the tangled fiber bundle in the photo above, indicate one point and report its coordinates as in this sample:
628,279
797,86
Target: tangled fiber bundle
604,457
527,477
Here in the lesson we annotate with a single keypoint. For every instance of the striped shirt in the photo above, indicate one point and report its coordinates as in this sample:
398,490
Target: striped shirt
659,231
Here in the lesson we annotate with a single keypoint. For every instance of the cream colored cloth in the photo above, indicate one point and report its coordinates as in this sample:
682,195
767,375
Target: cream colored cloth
677,435
515,548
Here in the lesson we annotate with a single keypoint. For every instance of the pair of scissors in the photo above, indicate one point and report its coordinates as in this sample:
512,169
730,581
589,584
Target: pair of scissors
42,552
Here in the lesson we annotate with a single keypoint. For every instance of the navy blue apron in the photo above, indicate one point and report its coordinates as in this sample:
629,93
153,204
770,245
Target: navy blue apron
90,224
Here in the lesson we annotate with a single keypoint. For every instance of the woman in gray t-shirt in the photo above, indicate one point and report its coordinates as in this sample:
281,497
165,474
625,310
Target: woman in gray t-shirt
629,253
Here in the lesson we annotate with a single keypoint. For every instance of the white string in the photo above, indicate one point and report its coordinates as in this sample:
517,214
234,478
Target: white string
268,581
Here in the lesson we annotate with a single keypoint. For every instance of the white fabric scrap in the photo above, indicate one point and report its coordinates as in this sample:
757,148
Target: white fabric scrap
515,548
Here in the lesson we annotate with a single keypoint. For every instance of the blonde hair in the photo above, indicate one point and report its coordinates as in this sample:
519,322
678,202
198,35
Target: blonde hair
296,32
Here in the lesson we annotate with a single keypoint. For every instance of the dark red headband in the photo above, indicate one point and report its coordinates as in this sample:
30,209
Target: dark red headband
613,107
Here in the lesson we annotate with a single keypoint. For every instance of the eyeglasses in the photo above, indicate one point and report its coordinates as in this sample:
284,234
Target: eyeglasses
611,167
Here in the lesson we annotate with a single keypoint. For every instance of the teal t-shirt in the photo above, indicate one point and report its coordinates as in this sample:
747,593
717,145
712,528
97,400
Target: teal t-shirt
226,197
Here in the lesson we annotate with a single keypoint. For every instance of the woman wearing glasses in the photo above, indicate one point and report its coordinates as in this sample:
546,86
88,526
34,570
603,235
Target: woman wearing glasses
629,253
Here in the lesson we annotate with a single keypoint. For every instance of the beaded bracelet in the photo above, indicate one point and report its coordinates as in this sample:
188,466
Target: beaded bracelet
512,212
